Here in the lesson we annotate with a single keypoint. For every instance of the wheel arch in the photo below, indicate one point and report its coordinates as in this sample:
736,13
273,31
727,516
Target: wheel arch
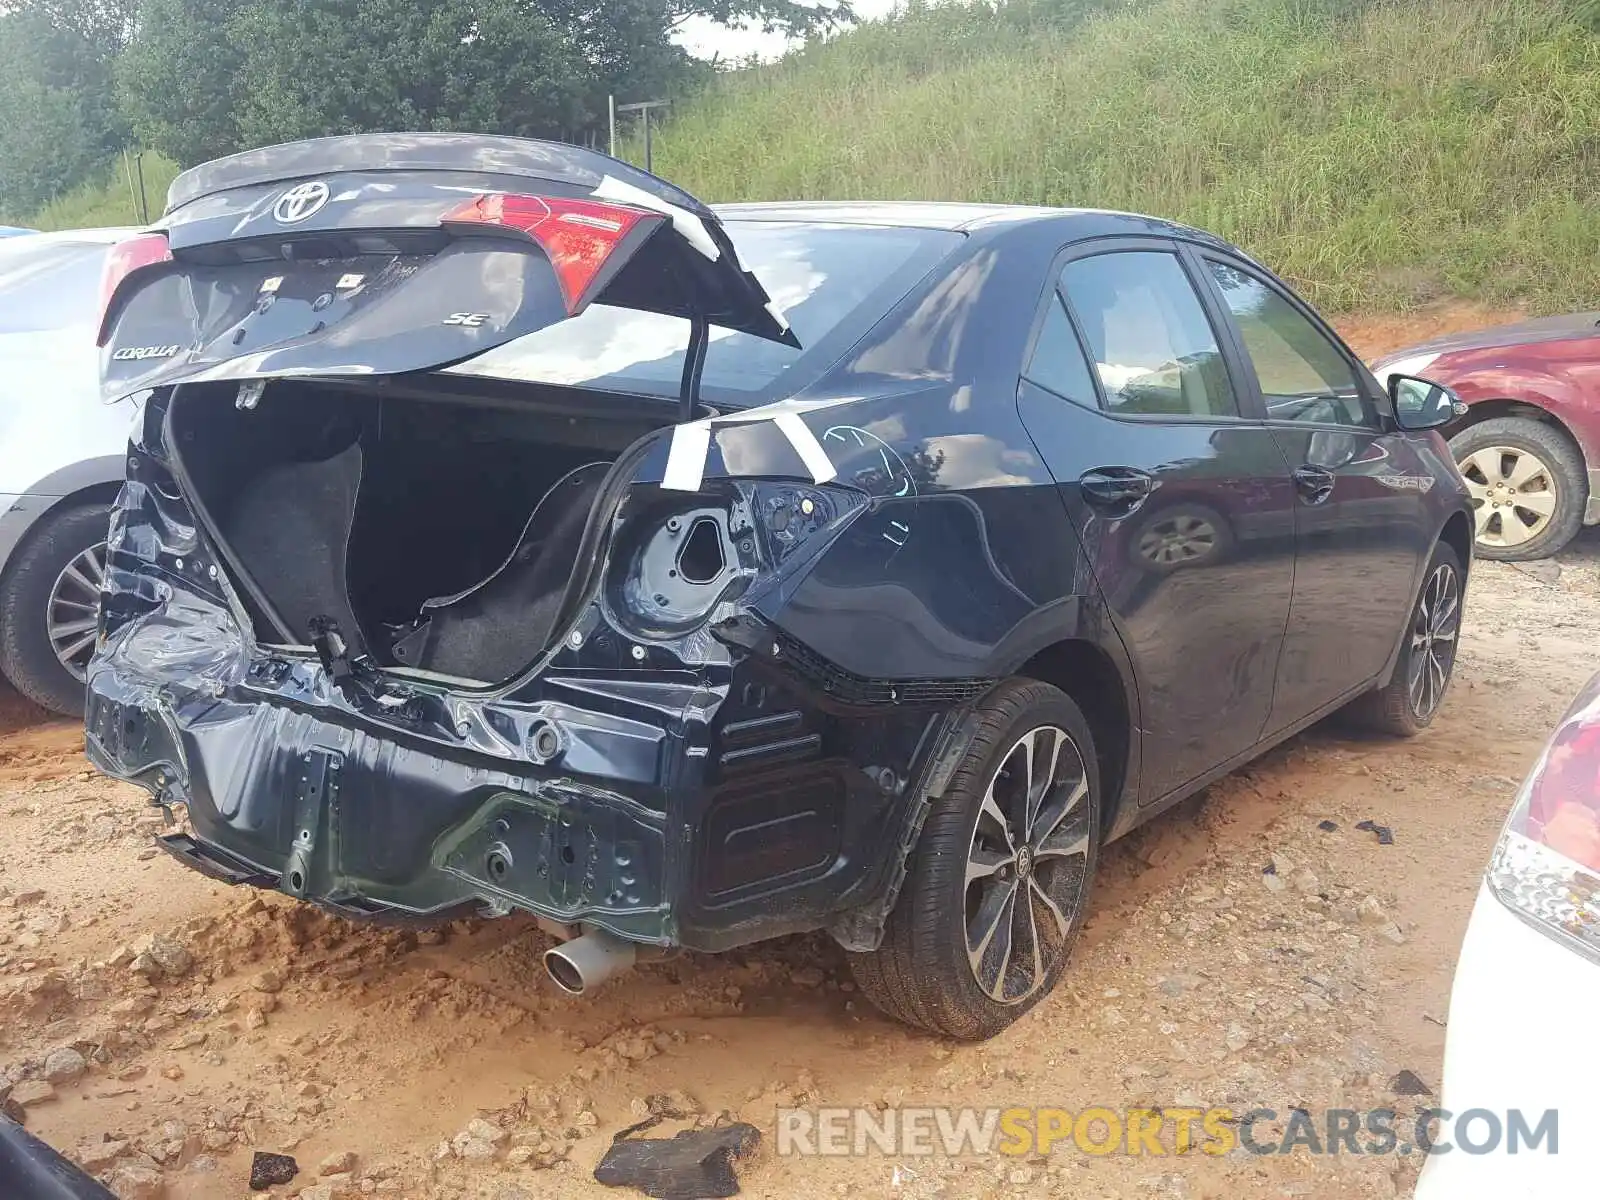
1457,534
35,522
1088,674
1527,410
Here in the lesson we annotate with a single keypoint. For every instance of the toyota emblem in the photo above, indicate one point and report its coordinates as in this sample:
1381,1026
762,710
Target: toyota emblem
301,201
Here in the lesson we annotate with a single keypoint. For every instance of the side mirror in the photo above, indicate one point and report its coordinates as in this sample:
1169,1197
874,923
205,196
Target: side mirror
1421,404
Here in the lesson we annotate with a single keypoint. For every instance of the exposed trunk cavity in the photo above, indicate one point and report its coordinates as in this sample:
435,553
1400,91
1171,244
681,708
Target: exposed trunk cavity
436,533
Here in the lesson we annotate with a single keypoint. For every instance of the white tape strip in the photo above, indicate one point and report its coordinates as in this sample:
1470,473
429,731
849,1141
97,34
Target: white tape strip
686,457
690,227
691,444
806,446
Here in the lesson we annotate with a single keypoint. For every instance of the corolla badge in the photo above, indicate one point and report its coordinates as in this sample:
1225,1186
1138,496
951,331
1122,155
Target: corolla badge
140,353
299,202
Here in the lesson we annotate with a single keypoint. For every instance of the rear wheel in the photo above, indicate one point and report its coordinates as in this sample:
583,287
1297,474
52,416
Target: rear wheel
999,883
49,607
1528,486
1411,699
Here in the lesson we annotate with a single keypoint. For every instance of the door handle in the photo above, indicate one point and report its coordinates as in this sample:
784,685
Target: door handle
1315,484
1122,488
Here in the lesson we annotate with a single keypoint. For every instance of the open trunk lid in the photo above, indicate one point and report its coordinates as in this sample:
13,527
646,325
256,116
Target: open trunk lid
378,254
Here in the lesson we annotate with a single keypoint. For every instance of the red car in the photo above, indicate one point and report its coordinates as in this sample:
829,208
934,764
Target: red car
1529,446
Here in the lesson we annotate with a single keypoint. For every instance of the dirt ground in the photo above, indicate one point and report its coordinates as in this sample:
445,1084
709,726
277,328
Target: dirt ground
208,1023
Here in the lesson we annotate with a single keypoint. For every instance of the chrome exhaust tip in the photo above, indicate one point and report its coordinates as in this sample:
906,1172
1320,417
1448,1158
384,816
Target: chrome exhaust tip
580,966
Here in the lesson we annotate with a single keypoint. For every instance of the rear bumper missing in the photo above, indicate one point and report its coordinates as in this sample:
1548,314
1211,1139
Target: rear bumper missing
370,826
704,811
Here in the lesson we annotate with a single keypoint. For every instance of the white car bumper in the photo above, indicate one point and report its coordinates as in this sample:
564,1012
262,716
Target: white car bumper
1521,1036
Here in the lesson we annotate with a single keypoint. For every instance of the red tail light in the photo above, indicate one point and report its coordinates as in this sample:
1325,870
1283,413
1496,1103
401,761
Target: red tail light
577,235
126,258
1563,809
1547,864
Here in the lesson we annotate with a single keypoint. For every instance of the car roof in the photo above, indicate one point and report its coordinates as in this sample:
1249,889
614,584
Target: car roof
95,237
938,214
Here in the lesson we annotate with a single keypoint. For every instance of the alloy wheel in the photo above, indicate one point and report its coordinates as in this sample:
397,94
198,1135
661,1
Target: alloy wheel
1433,640
1178,539
73,612
1027,865
1513,492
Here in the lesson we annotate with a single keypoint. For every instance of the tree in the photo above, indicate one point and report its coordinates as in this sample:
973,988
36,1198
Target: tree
179,80
56,93
204,77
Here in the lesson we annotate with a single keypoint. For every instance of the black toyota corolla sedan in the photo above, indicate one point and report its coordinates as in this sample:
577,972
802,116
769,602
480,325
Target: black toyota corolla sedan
509,531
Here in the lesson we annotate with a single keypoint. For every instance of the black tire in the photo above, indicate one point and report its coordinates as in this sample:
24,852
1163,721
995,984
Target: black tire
27,658
1563,468
1395,709
921,973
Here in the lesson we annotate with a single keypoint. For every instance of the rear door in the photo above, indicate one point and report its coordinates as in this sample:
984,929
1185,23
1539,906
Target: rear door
411,252
1362,527
1179,493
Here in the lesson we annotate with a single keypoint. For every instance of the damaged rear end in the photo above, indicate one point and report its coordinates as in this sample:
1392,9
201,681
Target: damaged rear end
411,642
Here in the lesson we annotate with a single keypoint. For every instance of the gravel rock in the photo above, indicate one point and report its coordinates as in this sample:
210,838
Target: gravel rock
1372,912
33,1092
341,1163
136,1181
95,1157
472,1149
1238,1037
173,959
485,1131
65,1065
268,981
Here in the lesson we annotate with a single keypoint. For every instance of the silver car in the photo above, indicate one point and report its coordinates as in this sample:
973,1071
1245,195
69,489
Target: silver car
61,460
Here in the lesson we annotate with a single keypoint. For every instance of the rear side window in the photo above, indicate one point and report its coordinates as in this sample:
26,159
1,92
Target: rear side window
1153,347
1057,364
830,282
1303,375
48,284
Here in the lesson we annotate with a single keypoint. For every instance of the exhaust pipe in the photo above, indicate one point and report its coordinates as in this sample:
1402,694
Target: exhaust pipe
580,966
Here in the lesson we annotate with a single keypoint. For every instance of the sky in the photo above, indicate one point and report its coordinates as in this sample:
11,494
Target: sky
705,38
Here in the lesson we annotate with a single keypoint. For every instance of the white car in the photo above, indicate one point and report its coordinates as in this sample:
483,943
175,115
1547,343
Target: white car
61,460
1521,1044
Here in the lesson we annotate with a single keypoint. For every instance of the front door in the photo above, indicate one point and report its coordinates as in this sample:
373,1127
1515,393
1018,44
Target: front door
1362,526
1183,502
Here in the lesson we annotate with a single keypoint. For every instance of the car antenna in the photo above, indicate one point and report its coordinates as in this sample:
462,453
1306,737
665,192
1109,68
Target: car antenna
694,366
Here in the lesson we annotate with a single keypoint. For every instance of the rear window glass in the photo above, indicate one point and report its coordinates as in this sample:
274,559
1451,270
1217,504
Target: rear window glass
830,282
48,284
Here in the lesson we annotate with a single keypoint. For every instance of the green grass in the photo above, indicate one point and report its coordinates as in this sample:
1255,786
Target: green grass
108,201
1378,153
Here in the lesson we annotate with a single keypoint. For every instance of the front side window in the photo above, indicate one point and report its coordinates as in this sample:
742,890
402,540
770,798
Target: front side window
1303,375
1153,347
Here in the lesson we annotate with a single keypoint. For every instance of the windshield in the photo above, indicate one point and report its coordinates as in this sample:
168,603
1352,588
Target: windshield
830,282
48,285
